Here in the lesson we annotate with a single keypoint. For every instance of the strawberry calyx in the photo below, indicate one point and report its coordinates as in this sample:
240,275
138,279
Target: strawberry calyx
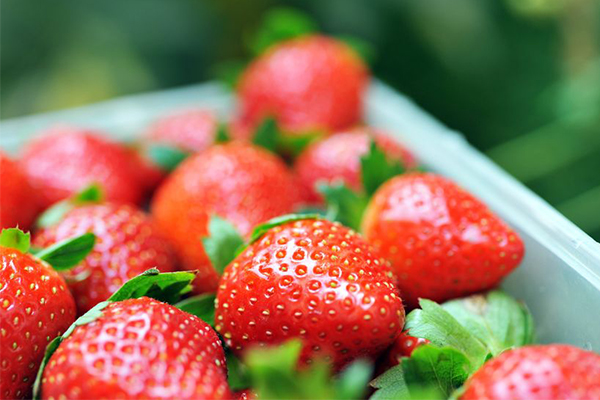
166,157
346,205
61,256
202,306
168,287
463,335
92,194
273,374
261,229
269,136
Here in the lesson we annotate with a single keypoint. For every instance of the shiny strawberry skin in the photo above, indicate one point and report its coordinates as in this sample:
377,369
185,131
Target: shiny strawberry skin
18,201
311,83
314,280
337,159
553,371
139,349
442,242
35,307
127,244
403,346
64,160
189,130
240,182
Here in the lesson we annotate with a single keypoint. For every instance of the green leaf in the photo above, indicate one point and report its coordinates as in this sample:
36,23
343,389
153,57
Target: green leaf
495,318
229,71
154,284
278,25
150,283
294,145
166,157
365,50
92,194
202,306
376,169
15,238
261,229
69,252
442,329
353,381
237,373
390,385
222,134
222,243
343,204
267,134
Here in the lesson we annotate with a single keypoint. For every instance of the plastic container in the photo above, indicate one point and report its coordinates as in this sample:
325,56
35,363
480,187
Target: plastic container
559,278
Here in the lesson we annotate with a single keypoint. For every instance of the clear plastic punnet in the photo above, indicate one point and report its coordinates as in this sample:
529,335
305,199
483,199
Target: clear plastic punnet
559,279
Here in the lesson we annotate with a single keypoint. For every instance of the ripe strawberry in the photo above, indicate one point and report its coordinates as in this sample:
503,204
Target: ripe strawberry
65,160
403,346
337,159
314,280
442,241
139,348
35,307
127,244
552,371
310,83
240,182
18,201
190,130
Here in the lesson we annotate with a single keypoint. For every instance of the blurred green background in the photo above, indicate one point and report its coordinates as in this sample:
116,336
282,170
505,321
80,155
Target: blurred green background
520,78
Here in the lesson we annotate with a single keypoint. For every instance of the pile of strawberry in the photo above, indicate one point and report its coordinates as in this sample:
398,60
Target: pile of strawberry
290,252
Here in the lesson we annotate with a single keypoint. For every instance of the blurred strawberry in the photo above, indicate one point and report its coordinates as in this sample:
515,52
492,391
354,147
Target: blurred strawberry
65,159
239,182
311,83
18,201
188,130
337,159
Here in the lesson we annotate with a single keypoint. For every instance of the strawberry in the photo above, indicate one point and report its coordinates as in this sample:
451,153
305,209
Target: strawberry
128,243
138,348
188,130
310,83
442,241
18,201
240,182
314,280
66,159
403,347
35,306
554,371
338,159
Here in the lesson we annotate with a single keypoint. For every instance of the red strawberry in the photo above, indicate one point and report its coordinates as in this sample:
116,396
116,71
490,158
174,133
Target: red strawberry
442,241
65,160
240,182
35,307
127,244
314,280
139,348
311,83
337,159
18,200
403,346
189,130
553,371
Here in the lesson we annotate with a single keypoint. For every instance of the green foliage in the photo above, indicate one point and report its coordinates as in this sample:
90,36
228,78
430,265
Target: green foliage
202,306
92,194
266,134
261,229
222,134
343,204
274,375
166,157
68,253
222,243
464,333
377,169
363,48
278,25
15,238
